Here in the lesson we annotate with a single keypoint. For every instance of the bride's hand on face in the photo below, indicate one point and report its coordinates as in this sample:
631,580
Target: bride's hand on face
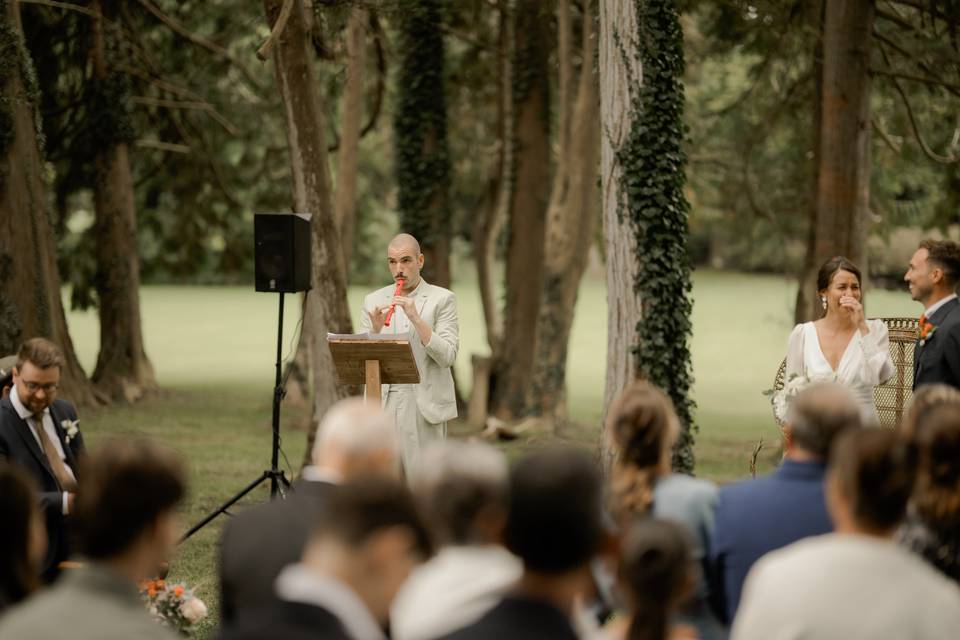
852,306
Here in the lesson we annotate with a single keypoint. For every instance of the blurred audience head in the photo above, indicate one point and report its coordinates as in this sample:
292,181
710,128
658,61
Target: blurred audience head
370,537
926,398
36,375
355,439
656,574
643,426
125,514
869,481
936,496
23,537
554,522
816,416
463,489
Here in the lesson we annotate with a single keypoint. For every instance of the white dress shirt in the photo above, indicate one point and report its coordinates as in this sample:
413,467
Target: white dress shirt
48,426
452,590
932,309
297,583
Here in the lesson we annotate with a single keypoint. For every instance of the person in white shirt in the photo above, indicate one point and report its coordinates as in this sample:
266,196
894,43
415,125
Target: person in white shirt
856,583
463,487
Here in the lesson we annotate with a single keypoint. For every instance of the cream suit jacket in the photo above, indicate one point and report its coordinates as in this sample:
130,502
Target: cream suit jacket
438,308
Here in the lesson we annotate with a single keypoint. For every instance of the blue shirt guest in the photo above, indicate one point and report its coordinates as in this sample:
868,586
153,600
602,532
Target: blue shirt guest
757,516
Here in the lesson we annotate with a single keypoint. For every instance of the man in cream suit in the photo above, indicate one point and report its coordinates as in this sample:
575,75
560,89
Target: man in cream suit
429,314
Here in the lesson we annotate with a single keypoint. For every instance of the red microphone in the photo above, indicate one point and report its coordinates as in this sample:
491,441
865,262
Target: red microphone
396,292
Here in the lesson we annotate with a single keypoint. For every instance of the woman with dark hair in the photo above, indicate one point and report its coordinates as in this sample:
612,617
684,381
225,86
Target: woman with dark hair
842,345
23,537
655,578
856,583
933,522
643,426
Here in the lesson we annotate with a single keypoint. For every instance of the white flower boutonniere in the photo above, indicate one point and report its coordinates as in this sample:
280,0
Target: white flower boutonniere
71,428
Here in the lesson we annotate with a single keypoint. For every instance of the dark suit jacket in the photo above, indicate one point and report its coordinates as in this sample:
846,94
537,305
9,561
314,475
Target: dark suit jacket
517,617
19,446
286,621
938,358
757,516
260,541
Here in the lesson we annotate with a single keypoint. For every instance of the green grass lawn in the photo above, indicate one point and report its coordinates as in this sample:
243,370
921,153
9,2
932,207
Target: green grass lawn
213,350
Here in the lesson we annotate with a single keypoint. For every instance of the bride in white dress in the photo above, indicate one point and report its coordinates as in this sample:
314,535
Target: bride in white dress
843,343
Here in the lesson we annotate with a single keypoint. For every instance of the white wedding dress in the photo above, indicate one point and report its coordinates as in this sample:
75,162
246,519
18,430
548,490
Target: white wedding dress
865,363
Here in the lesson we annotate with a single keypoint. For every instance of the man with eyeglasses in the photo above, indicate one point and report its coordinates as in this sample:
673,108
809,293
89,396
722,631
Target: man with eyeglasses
40,433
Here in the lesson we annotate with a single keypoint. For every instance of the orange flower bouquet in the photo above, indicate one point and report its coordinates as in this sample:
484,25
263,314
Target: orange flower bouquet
173,605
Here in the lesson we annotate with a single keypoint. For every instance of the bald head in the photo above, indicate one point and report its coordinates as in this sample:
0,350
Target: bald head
405,241
355,439
818,414
405,261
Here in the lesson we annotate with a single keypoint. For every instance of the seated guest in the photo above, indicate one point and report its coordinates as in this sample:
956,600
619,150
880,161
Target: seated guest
353,440
39,432
359,553
643,426
757,516
924,399
932,528
554,525
857,583
127,527
23,539
462,489
656,577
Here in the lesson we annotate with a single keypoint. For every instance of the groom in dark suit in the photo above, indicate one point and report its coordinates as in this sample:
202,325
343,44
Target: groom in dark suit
40,434
933,277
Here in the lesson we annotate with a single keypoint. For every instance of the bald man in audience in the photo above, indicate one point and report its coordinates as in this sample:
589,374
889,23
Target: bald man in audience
353,441
428,314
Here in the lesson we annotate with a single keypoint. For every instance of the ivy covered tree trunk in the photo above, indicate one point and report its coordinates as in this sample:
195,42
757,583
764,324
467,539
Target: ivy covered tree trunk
653,163
420,125
620,78
30,303
123,371
327,309
569,231
843,184
530,195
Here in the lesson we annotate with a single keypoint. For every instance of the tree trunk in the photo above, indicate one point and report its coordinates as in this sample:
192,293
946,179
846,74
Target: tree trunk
30,302
530,179
571,219
123,371
620,71
327,309
808,305
843,183
423,159
350,115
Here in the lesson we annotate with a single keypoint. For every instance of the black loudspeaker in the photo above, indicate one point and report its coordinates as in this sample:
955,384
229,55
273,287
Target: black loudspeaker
281,253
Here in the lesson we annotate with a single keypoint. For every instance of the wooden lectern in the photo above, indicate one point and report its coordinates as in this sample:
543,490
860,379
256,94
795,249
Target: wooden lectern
373,359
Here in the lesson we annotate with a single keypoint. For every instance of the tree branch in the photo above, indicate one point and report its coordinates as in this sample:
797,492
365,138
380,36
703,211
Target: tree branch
180,30
162,146
64,5
885,136
189,104
952,88
264,51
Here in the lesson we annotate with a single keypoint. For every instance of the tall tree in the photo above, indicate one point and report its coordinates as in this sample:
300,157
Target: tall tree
621,75
653,163
420,125
527,176
327,309
123,370
30,303
569,231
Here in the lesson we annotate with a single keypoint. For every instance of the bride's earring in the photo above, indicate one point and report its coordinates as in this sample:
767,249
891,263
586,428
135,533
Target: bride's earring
823,301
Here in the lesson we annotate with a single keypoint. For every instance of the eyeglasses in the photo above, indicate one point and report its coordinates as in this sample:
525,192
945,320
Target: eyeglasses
33,387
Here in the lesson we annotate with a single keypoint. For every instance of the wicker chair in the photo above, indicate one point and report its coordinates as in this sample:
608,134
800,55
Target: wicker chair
893,396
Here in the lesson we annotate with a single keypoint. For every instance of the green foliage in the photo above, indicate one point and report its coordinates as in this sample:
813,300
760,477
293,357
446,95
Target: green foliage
653,162
420,124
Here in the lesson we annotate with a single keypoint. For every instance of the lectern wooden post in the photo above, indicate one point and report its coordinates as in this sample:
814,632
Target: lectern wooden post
372,360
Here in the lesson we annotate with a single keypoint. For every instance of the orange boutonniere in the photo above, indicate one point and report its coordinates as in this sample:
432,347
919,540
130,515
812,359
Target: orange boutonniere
927,329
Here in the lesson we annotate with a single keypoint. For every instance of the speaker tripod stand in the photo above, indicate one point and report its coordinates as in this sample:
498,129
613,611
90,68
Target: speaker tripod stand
278,481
